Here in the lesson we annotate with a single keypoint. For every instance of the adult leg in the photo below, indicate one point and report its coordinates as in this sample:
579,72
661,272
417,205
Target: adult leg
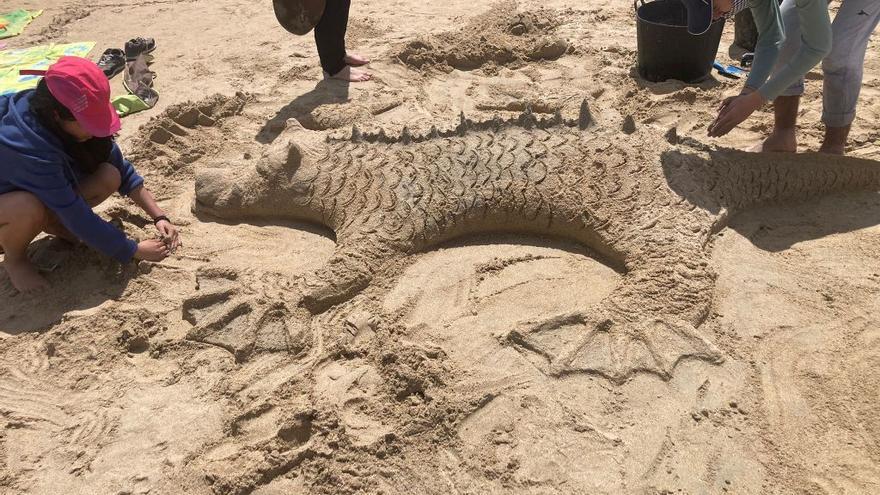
22,217
330,39
785,107
843,69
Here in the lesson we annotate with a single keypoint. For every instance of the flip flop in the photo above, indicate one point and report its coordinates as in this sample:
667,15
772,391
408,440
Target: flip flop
138,75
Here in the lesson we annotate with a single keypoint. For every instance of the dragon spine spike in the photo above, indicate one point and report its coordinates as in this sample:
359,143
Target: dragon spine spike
527,118
356,135
629,125
406,136
462,125
435,134
585,118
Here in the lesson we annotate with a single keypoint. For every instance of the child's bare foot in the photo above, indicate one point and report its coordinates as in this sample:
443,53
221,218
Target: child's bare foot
779,141
352,75
24,276
356,60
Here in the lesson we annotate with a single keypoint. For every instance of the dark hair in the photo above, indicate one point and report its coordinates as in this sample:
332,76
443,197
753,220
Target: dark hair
88,155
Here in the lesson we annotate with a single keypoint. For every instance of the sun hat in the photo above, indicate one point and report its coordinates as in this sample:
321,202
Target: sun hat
79,85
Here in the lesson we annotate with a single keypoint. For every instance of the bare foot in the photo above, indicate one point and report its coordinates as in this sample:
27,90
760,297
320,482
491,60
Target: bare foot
778,142
24,276
356,60
352,75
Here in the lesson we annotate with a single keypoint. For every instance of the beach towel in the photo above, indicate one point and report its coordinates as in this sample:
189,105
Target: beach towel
34,58
13,23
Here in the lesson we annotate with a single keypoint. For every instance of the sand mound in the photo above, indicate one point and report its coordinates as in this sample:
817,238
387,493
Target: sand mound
504,36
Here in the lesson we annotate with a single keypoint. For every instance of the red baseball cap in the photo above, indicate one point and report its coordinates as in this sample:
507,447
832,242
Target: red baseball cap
79,85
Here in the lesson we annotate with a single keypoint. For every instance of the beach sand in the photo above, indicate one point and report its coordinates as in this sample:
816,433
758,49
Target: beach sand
112,382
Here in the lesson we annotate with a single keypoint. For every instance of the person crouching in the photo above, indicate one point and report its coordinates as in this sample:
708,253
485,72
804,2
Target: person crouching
58,160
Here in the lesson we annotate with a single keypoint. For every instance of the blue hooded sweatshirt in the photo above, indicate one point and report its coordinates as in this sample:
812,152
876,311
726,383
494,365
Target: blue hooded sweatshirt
32,159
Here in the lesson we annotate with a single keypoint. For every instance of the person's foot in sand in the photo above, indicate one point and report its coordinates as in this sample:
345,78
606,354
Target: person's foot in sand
24,276
780,141
21,219
330,40
351,74
835,139
784,135
355,60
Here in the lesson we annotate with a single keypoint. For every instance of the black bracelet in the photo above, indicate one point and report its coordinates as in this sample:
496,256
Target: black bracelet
159,219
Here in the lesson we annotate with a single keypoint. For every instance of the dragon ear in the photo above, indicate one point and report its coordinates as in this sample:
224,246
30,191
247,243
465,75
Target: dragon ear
293,126
287,152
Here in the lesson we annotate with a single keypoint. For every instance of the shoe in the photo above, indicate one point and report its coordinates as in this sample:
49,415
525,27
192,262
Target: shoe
137,46
112,62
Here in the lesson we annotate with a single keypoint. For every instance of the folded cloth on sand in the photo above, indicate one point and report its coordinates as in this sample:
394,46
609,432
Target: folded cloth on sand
13,23
129,104
33,58
138,80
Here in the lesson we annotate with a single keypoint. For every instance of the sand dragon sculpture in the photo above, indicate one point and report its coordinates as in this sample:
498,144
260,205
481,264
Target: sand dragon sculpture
647,203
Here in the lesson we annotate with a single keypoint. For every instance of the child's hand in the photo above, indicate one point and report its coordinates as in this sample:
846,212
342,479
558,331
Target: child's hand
169,234
152,250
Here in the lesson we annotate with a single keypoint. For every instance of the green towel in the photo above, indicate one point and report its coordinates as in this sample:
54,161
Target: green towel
35,57
13,23
128,104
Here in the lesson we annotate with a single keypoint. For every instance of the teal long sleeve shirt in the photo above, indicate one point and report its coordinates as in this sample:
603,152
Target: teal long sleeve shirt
815,45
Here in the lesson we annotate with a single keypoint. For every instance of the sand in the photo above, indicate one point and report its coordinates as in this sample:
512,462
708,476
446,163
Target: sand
231,369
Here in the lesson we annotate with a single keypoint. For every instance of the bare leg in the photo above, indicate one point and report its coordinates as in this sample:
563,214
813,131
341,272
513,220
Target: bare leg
835,140
784,135
22,217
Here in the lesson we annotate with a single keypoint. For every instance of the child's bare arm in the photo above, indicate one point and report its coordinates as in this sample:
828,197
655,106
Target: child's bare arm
145,200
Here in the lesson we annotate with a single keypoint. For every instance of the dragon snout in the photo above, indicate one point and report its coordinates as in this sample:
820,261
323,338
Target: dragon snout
216,192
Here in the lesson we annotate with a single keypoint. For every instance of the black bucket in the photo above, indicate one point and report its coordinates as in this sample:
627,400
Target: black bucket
667,50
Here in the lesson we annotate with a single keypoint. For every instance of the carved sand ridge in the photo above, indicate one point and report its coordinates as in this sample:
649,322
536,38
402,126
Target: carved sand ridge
647,204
